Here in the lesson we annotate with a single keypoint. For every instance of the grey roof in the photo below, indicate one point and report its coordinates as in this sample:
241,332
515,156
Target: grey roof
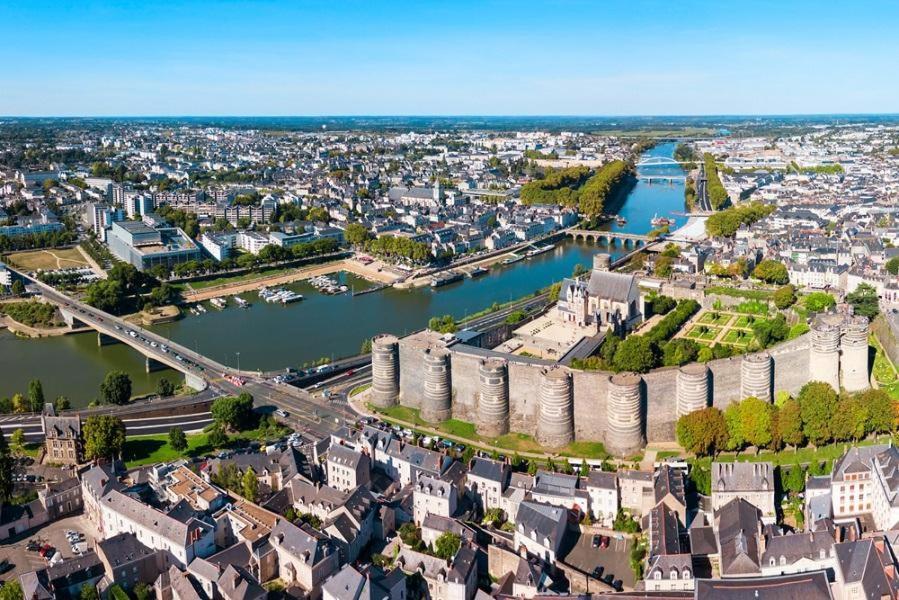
742,476
614,286
62,427
856,460
123,549
183,585
798,546
542,519
486,468
347,457
237,583
304,542
433,486
864,561
801,586
669,481
664,531
738,538
602,480
169,528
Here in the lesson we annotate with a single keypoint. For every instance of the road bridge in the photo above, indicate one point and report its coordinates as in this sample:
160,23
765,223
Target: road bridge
611,238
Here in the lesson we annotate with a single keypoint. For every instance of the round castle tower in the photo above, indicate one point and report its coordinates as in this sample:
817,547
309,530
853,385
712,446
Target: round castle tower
854,350
692,388
625,415
385,371
824,355
755,376
602,262
437,402
555,419
493,397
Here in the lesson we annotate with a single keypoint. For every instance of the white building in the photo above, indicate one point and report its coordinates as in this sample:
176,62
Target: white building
433,496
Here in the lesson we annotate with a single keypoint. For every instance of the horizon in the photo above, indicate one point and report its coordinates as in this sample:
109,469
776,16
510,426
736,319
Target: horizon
469,59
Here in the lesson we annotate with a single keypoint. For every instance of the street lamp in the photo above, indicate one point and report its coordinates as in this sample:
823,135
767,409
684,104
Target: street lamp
238,363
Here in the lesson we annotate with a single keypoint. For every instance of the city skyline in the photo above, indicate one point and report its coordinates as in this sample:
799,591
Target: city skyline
498,58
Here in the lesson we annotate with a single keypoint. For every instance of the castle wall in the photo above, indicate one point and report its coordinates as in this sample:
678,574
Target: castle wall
465,386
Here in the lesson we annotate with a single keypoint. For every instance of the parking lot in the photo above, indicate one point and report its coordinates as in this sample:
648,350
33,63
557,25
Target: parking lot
614,560
54,534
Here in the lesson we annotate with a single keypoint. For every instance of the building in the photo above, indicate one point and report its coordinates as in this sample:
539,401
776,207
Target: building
607,300
540,529
347,468
375,584
61,498
486,481
865,569
433,496
865,481
753,482
128,562
305,556
63,440
145,247
602,489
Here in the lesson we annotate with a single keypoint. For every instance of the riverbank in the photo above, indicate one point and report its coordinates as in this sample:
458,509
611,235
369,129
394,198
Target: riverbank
283,278
21,329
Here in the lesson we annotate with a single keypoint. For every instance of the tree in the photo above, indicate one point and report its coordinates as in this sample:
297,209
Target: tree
6,465
142,591
850,420
817,403
356,234
792,479
89,592
447,545
36,395
165,388
61,403
177,439
12,590
106,295
882,410
733,416
663,266
250,485
217,437
18,288
680,352
772,331
636,353
104,437
19,404
784,296
892,266
771,271
755,417
819,301
786,428
662,305
410,535
233,412
17,442
864,301
116,388
702,432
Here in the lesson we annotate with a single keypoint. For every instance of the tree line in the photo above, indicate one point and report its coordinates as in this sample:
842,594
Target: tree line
714,187
726,222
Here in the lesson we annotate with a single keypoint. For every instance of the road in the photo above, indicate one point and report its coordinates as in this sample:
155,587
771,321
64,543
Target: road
702,190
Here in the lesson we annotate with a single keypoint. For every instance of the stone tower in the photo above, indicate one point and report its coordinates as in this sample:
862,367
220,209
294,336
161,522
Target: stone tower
624,412
692,388
385,371
602,262
854,354
493,397
755,376
437,401
824,354
555,419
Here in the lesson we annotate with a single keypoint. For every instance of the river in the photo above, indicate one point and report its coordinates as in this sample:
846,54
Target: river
272,336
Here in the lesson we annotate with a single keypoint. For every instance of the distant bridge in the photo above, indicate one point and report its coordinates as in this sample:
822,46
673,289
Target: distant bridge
611,238
661,178
661,161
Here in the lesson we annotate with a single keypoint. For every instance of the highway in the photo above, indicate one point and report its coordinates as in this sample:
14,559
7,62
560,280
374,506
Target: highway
702,190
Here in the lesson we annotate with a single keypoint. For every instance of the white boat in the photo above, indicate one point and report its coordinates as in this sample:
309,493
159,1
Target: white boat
241,302
219,303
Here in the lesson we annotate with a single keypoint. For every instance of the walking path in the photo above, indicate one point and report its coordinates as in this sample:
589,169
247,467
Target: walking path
90,260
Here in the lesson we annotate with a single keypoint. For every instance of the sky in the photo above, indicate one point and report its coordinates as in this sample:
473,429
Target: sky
460,57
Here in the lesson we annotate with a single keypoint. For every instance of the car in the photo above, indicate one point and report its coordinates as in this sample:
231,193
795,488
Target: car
5,566
608,578
281,413
32,546
617,585
46,551
596,540
597,571
604,541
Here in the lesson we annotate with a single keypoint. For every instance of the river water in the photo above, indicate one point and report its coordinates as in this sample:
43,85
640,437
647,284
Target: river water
269,336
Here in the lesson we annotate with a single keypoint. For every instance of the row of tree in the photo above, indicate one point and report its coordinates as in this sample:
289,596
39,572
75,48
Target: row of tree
396,247
714,187
557,186
818,415
726,222
593,194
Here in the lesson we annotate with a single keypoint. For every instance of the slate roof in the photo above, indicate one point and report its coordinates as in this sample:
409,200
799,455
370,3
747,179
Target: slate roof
543,520
617,287
801,586
798,546
738,538
742,476
602,480
669,481
864,561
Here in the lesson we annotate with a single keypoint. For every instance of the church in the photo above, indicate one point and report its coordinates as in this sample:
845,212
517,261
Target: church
605,301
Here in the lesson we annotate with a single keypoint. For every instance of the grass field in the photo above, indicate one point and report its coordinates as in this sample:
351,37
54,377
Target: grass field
737,337
513,442
745,321
151,449
696,332
208,283
48,260
713,318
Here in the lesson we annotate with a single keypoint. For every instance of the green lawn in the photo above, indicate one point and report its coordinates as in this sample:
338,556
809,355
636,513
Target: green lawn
745,321
713,318
207,283
151,449
710,334
737,337
722,290
803,456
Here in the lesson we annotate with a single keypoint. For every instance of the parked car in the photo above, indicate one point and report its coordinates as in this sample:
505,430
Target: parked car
597,571
596,540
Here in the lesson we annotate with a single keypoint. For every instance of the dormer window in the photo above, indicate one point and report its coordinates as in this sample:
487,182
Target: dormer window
657,575
674,573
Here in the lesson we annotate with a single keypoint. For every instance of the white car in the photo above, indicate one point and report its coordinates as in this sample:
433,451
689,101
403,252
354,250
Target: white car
281,413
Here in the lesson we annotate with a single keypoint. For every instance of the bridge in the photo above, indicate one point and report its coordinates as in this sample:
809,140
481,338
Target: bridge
661,161
611,238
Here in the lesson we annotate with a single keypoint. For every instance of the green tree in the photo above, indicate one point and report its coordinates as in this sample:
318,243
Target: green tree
819,301
356,234
233,412
702,432
18,288
410,535
733,416
142,591
817,403
447,545
864,301
20,404
177,439
89,592
165,388
6,466
250,485
36,395
444,324
792,479
786,428
217,437
636,353
61,403
663,266
756,416
680,352
881,409
17,442
104,437
771,271
116,388
12,590
892,266
851,419
784,296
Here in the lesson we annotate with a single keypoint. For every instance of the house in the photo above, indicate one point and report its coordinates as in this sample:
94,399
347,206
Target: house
807,586
374,584
557,489
433,496
128,562
865,569
405,462
62,580
184,484
347,468
449,580
608,300
350,525
602,489
63,441
540,529
61,498
740,541
668,489
798,553
175,584
865,481
751,481
486,480
669,573
637,491
236,583
306,557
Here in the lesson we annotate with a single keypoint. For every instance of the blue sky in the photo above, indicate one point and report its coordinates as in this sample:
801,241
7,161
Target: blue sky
333,57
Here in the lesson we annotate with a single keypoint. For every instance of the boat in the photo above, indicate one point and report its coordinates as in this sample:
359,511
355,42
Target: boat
445,279
219,303
514,258
289,297
241,302
477,272
540,250
201,309
658,221
620,220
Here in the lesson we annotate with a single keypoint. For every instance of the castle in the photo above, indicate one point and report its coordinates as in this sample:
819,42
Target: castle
499,392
